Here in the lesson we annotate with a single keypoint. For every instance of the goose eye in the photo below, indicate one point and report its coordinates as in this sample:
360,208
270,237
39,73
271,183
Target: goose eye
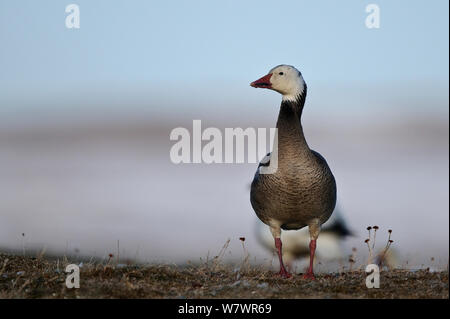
281,73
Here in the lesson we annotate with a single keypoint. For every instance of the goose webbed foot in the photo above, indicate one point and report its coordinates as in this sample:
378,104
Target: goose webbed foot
309,275
283,273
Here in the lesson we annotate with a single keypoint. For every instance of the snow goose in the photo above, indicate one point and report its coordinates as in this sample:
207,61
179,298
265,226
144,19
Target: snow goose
302,190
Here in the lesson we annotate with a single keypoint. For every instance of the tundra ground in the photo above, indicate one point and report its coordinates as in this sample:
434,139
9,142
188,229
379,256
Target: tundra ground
33,277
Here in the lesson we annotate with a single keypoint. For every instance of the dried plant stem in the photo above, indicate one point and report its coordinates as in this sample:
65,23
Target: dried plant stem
369,259
374,238
246,257
222,251
118,252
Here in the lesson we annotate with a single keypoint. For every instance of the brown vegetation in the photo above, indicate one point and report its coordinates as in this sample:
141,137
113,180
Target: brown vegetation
29,277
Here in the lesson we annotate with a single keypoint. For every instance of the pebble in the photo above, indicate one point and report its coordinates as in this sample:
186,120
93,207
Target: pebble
263,285
244,283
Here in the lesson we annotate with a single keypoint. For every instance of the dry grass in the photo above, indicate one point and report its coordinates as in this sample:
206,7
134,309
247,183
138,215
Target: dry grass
28,277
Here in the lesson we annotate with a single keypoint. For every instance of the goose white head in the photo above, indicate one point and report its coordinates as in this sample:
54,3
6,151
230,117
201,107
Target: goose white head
285,79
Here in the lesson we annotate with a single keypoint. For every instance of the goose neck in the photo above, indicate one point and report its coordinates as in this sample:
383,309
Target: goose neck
290,130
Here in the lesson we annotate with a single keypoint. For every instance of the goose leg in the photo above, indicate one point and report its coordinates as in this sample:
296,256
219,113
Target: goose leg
276,232
314,230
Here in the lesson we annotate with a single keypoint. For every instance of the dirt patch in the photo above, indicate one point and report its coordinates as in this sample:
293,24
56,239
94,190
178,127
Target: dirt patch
29,277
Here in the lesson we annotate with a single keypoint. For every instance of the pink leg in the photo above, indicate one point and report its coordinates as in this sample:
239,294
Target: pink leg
283,272
312,251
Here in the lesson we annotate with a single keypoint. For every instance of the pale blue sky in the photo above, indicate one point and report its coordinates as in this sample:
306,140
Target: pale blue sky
181,44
